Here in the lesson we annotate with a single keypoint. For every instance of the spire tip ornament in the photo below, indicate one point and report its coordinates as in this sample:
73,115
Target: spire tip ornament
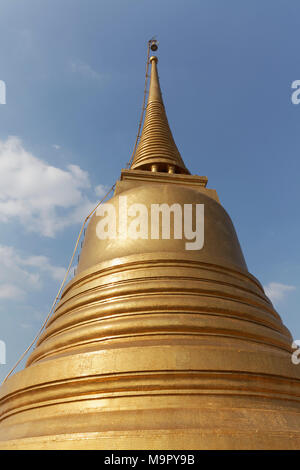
153,44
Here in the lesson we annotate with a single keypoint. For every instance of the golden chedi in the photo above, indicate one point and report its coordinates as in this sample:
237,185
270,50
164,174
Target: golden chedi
152,345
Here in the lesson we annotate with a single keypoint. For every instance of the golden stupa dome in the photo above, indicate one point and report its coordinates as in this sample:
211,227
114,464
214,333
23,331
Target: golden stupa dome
221,243
153,345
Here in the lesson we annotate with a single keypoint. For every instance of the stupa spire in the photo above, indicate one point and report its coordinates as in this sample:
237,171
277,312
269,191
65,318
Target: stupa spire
157,150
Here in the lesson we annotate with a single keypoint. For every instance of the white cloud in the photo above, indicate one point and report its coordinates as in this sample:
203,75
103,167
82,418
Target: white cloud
10,291
82,68
42,263
101,190
20,273
44,198
56,147
276,291
26,325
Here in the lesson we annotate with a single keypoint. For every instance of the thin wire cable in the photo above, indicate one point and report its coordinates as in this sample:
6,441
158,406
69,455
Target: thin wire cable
61,286
85,221
143,107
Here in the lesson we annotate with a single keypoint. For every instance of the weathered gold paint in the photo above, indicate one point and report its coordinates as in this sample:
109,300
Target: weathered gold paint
155,347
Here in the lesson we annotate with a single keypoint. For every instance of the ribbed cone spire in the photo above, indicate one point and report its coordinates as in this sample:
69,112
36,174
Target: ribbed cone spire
157,149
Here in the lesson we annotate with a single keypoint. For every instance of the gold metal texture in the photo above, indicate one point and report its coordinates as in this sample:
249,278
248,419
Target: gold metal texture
156,145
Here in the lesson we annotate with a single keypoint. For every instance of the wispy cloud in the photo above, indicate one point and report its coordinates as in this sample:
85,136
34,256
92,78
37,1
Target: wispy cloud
44,198
21,273
276,291
42,264
101,190
80,67
10,291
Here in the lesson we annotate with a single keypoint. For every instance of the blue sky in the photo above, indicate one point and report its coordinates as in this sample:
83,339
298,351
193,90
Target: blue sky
74,72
